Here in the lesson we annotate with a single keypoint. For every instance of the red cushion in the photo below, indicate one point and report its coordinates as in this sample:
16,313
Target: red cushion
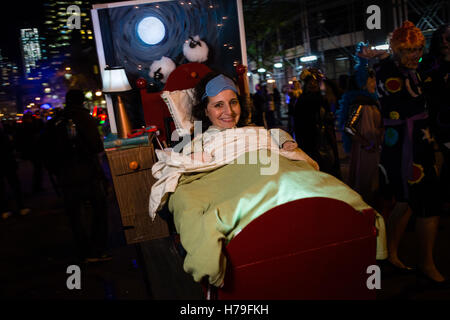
155,110
316,248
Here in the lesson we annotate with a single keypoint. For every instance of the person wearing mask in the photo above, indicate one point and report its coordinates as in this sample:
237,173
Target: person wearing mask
408,154
362,130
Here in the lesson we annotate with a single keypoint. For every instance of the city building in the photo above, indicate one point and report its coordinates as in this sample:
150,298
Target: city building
30,48
9,79
59,23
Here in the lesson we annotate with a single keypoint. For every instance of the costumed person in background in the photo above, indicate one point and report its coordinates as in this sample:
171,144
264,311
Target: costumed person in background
314,124
277,103
362,130
294,94
435,71
407,157
259,100
269,108
332,94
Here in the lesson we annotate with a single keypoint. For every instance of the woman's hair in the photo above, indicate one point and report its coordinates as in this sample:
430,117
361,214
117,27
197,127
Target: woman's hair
198,110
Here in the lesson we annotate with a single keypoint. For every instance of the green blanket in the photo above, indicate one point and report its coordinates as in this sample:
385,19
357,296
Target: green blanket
211,207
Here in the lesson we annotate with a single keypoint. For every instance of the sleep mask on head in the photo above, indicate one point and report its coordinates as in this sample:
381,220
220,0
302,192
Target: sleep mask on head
217,85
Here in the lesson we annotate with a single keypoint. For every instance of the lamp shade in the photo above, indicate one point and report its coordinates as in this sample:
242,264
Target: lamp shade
115,80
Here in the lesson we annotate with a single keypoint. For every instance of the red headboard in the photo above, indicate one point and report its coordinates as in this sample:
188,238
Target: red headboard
155,110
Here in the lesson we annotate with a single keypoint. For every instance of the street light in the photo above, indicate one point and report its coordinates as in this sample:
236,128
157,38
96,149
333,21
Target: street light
261,70
381,47
308,58
278,65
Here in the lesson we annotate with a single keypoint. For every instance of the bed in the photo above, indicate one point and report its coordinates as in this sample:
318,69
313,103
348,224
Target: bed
316,243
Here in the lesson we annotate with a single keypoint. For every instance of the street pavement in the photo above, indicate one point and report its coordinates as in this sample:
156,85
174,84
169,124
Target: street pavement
36,251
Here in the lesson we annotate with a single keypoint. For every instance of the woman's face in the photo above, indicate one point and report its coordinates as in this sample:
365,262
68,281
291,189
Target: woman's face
224,110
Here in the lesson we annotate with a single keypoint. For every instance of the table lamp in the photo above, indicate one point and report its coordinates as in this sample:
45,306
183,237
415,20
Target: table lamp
114,81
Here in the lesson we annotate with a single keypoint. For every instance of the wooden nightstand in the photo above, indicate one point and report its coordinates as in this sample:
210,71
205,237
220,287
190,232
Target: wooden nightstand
132,178
162,267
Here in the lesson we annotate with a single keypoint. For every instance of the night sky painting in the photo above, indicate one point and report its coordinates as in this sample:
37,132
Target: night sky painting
215,21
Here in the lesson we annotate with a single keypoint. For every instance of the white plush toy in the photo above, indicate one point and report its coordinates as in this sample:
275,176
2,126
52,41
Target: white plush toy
161,69
195,50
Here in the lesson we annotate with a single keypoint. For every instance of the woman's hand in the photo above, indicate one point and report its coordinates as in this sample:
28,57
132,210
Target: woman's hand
313,163
201,157
290,145
301,155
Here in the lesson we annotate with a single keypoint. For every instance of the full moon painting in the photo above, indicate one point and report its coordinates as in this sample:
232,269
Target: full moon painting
135,36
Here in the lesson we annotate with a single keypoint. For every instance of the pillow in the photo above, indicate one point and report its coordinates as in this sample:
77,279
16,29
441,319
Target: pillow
180,104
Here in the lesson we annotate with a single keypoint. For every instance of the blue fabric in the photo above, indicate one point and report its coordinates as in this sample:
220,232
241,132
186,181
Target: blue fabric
361,76
343,113
360,66
217,85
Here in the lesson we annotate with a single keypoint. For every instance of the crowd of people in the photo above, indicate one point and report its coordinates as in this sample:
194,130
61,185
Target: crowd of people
393,116
69,148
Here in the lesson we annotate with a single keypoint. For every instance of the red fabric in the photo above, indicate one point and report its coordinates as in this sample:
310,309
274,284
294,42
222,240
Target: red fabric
155,110
315,248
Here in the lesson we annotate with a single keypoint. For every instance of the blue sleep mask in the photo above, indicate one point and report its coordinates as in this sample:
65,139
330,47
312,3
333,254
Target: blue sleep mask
217,85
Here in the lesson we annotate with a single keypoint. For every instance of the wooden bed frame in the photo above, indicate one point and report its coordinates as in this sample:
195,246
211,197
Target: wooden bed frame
323,247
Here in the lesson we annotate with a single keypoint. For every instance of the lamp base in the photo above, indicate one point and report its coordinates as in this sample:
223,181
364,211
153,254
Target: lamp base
124,126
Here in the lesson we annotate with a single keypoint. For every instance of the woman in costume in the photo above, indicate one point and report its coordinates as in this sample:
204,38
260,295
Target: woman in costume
407,158
362,130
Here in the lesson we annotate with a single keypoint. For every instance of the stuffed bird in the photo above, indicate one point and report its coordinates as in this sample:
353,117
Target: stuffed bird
195,50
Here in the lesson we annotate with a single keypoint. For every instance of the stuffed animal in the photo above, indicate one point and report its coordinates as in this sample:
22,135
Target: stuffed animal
161,69
195,50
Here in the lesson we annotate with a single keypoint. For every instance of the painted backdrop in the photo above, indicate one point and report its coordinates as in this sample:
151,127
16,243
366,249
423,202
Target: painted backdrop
214,21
